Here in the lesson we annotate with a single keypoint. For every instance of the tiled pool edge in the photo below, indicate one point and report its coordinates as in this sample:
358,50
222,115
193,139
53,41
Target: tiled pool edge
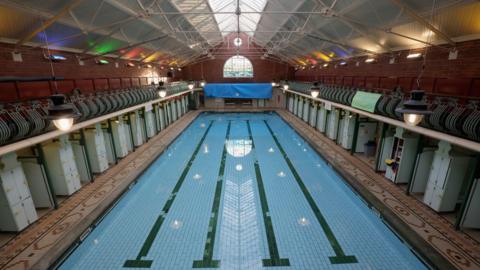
427,241
61,228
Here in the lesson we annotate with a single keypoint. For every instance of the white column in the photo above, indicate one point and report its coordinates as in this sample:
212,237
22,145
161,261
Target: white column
313,114
121,136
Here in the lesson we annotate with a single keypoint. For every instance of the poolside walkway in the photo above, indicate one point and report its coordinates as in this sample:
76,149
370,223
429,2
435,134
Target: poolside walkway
432,230
43,242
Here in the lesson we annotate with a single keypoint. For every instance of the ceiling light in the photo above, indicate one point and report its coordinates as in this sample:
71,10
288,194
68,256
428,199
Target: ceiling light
414,55
325,65
179,69
274,84
343,63
203,83
285,87
147,66
191,85
414,109
130,64
370,60
61,114
237,42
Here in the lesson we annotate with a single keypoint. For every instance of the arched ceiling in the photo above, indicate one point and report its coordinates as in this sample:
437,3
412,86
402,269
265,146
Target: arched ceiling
178,32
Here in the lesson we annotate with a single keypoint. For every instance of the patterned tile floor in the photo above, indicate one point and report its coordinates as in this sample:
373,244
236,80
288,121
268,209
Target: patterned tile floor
458,248
40,244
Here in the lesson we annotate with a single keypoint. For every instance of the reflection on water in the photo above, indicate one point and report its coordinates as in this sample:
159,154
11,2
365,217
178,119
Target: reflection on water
239,148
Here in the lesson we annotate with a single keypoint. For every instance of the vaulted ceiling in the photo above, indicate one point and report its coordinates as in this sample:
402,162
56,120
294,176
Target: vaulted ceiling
178,32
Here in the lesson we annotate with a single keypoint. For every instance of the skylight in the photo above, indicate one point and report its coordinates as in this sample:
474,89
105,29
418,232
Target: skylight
228,22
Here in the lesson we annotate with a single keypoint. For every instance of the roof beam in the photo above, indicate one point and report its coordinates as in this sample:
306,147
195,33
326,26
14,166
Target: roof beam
49,22
423,22
358,30
338,43
108,35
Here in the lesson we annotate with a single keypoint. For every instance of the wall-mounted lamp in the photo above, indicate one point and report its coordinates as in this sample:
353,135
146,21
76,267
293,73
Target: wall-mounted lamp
102,62
370,60
162,92
191,85
414,55
315,90
62,114
203,83
414,109
55,57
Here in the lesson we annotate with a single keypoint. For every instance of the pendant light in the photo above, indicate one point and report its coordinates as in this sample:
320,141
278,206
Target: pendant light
315,90
191,85
414,109
62,114
285,86
162,92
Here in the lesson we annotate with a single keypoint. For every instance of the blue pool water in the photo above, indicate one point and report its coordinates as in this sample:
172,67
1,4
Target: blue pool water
241,191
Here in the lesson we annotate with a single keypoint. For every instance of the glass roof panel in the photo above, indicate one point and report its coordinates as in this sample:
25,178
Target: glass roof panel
228,22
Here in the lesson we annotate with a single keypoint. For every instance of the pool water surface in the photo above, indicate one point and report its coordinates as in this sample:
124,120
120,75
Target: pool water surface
241,191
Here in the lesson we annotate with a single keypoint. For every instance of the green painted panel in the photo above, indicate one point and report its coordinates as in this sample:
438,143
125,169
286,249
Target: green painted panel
365,101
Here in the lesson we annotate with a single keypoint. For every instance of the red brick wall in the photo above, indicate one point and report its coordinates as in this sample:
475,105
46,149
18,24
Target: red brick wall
459,77
89,77
263,70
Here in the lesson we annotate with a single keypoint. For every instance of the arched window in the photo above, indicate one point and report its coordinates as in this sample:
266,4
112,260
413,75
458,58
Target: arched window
238,67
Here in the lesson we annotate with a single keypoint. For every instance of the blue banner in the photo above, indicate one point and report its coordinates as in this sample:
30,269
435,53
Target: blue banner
238,90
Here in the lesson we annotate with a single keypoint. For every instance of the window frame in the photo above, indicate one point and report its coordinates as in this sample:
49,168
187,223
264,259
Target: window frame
246,67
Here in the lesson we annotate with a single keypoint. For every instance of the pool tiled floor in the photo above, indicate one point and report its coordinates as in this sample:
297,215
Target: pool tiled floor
459,249
302,216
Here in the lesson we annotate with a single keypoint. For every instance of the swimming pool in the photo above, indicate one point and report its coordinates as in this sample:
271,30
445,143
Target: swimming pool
241,191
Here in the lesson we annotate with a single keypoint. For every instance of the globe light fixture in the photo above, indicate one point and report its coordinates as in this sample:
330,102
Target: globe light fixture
162,92
414,109
315,90
62,114
191,85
